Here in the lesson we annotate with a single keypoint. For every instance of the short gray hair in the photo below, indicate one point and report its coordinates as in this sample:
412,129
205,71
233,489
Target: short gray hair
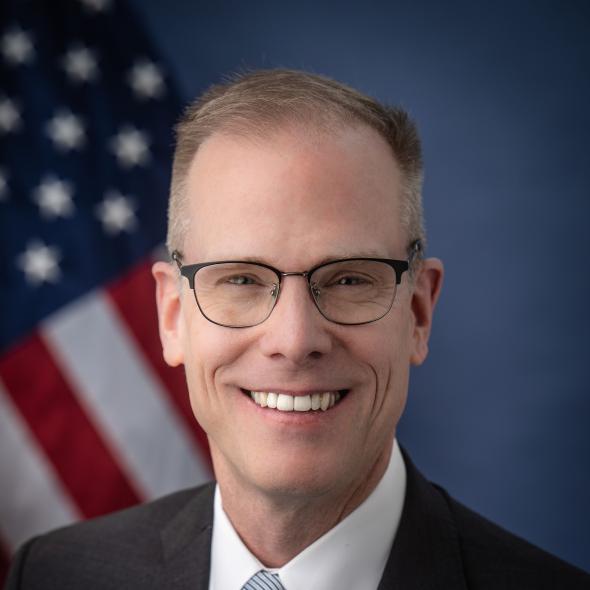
259,102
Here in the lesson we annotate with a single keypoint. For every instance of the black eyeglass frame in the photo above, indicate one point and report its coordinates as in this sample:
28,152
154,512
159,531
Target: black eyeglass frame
399,267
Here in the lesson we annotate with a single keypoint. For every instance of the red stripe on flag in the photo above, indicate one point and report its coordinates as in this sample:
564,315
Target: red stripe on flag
134,298
4,564
85,465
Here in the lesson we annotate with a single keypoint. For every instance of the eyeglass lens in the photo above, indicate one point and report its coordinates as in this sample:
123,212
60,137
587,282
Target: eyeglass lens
244,294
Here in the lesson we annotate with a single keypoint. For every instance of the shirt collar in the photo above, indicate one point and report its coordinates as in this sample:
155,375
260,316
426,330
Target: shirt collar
351,555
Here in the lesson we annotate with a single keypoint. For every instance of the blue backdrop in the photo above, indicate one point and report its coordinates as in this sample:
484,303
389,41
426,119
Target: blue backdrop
500,413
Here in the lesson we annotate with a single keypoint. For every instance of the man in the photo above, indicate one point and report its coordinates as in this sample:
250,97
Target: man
297,299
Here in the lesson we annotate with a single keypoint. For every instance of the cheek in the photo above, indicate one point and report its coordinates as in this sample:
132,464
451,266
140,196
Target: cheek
208,350
197,389
388,355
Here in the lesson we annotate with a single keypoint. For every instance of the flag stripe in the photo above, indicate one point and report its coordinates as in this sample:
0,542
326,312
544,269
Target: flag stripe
32,498
125,398
64,430
4,561
134,297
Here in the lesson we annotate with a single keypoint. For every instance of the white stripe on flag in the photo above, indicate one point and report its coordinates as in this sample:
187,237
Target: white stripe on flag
123,397
32,499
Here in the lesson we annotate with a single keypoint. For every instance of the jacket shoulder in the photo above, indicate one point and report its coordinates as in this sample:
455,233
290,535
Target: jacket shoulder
105,552
495,558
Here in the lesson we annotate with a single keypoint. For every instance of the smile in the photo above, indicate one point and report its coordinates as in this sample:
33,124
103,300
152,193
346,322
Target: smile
297,403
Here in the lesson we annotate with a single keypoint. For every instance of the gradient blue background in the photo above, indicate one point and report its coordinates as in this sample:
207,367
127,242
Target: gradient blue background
500,412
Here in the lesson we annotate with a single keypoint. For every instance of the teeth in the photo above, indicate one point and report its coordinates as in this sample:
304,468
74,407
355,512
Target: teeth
316,401
302,403
285,403
298,403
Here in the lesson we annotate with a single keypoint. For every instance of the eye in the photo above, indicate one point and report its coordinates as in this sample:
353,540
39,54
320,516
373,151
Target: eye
351,281
241,280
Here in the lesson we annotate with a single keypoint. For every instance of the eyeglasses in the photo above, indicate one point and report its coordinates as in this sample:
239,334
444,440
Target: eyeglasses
349,291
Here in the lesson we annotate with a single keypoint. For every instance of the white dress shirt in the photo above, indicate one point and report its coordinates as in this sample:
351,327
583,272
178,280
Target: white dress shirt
351,556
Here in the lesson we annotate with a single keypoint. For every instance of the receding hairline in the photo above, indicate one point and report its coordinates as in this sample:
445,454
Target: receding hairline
248,107
319,129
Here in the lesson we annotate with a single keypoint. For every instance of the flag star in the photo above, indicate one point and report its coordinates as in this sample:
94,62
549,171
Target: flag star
40,263
80,64
130,146
146,80
116,213
3,185
9,116
96,5
66,131
54,198
17,47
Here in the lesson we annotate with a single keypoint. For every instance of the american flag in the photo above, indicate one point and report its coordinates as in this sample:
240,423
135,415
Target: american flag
91,420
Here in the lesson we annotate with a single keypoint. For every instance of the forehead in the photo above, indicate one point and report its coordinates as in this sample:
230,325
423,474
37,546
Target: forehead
294,197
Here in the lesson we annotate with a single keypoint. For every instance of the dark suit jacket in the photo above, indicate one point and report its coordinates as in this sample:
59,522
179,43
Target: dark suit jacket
166,544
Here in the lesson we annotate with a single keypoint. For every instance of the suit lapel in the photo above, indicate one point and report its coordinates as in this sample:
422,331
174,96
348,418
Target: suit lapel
186,544
426,553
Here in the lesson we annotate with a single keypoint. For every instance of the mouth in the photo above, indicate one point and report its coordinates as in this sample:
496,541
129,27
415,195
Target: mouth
285,402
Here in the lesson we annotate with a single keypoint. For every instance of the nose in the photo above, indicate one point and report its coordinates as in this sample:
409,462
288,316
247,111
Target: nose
295,331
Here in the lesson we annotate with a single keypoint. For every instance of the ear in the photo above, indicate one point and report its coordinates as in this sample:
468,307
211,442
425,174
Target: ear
427,286
169,312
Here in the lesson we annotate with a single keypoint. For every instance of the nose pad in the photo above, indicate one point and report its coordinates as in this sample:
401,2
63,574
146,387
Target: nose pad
315,290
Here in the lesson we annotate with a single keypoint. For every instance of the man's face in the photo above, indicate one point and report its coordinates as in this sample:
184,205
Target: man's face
292,201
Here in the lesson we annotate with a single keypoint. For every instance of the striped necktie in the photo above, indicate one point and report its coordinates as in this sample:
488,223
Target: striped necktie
263,580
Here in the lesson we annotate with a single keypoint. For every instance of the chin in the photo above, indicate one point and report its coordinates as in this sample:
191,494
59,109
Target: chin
300,479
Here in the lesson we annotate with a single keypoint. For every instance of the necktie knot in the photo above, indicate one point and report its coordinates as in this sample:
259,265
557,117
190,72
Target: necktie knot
263,580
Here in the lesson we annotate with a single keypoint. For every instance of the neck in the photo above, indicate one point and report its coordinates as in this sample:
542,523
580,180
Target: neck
278,526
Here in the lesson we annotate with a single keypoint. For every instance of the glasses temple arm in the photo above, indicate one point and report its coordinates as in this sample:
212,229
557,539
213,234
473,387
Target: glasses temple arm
177,257
416,250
